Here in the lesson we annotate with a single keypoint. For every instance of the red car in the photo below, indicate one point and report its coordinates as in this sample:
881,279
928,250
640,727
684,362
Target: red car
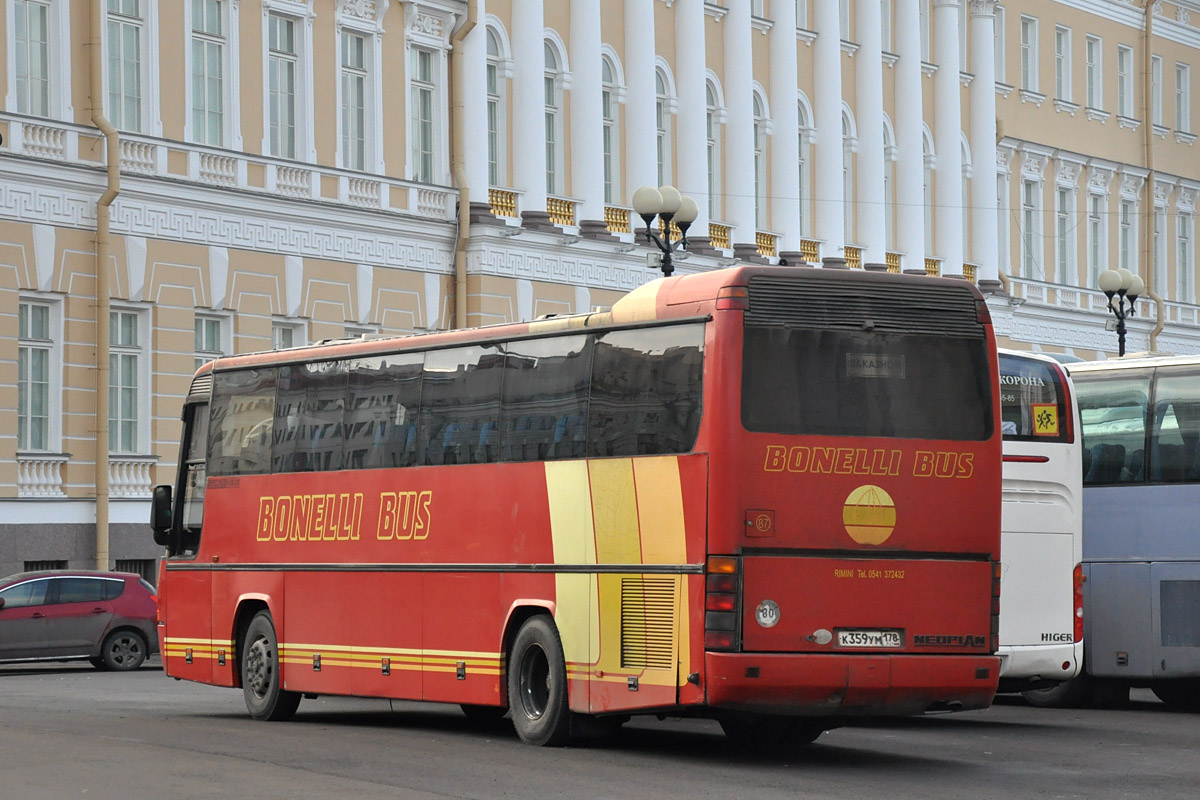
107,618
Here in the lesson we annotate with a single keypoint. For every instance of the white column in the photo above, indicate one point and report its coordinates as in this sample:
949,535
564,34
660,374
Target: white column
587,145
829,198
641,165
691,156
475,138
529,106
740,201
910,169
868,72
947,138
785,133
982,112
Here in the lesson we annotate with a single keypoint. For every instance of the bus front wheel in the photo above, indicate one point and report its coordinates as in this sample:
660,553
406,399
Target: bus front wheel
537,684
265,699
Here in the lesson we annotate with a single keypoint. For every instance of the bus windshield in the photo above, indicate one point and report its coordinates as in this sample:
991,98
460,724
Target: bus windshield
857,383
1033,404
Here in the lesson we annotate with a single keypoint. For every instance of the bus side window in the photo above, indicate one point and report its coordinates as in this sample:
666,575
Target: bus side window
240,425
460,393
382,399
545,398
646,391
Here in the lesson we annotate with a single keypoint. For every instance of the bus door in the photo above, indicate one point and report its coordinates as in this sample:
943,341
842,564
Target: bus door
185,598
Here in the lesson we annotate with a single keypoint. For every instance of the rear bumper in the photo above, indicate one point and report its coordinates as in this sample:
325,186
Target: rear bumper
842,685
1040,662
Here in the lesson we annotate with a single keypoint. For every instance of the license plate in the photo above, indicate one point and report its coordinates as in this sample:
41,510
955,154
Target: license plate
869,639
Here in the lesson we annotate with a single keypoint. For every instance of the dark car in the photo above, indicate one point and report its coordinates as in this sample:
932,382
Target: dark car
107,618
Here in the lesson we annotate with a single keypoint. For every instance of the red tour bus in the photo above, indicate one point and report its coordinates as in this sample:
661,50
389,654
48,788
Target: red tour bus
769,496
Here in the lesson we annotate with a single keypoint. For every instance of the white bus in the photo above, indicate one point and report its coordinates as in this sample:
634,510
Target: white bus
1041,544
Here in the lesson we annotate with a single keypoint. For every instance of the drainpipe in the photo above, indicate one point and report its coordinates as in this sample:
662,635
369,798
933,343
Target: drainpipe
1148,139
103,305
458,162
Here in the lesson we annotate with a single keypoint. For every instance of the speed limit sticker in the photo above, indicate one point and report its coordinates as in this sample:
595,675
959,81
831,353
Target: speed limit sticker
767,613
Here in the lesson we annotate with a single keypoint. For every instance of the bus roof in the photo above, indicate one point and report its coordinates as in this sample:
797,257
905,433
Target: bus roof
1135,362
677,297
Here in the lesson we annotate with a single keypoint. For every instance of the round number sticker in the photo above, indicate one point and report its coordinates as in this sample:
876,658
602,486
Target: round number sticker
767,613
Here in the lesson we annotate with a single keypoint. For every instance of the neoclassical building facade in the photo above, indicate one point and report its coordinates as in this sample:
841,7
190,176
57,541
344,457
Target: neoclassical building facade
189,178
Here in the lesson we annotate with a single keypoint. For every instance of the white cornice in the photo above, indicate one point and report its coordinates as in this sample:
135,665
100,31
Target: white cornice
1133,16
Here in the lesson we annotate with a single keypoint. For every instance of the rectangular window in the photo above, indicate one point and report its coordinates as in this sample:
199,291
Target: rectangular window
493,121
1113,416
1127,235
354,101
1095,73
1183,261
1062,63
823,382
208,340
1183,102
125,64
421,83
802,13
1031,208
282,61
608,140
1160,249
924,18
1156,98
1064,236
844,19
885,12
1002,227
34,351
124,364
208,65
1029,54
32,41
1125,79
1026,384
1097,233
286,334
550,90
999,47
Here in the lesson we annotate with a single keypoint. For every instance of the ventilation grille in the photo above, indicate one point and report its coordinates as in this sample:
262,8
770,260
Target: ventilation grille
1180,603
648,623
202,386
883,306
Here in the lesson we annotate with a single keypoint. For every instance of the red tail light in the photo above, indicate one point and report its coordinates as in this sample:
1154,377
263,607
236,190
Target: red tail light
997,570
736,298
1078,598
722,603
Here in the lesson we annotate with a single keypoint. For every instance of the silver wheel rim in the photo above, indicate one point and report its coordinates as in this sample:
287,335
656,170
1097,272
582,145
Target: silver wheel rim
259,667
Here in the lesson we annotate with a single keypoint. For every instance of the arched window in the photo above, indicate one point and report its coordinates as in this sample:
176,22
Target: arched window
966,201
554,127
929,161
496,112
805,134
760,163
889,186
608,112
662,117
712,122
849,145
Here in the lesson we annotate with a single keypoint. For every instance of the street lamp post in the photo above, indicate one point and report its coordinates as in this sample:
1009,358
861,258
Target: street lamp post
669,206
1127,288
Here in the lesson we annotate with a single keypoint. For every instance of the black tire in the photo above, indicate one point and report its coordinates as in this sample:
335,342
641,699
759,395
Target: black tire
1182,694
770,733
477,713
537,685
265,700
1075,693
123,651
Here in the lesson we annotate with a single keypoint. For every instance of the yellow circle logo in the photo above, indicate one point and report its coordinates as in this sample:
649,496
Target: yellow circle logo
869,515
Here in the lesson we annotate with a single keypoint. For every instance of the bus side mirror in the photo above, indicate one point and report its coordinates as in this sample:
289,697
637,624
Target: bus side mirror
160,514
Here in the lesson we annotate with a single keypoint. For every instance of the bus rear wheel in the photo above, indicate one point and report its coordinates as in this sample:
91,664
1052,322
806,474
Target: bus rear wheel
265,700
764,732
1181,693
1075,693
537,684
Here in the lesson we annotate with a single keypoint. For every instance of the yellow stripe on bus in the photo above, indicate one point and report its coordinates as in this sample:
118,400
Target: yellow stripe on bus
572,531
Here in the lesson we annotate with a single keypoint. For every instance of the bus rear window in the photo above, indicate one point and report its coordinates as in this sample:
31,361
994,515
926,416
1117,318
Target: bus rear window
1033,402
859,383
